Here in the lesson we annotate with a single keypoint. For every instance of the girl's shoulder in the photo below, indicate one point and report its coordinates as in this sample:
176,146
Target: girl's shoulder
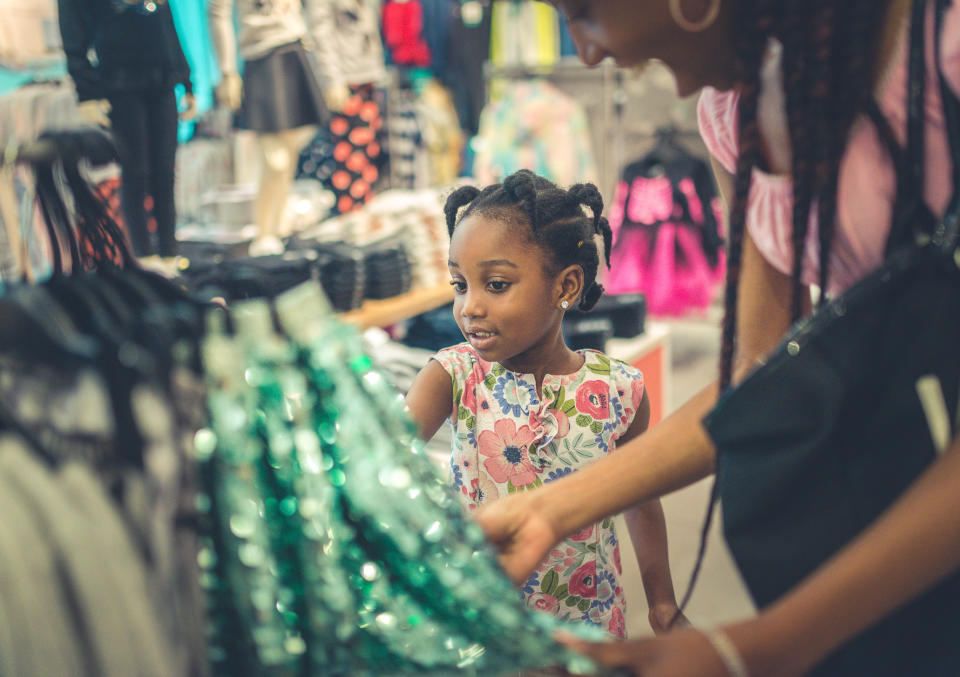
625,381
460,359
602,364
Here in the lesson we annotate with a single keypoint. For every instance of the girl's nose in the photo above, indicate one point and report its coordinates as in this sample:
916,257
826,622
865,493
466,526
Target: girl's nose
472,307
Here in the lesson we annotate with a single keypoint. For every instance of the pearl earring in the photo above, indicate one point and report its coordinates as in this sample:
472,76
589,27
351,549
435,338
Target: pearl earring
564,304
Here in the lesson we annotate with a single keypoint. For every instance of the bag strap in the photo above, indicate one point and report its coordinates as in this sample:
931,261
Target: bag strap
948,231
911,216
913,222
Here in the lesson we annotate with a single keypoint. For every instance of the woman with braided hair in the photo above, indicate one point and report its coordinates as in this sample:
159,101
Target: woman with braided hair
803,107
527,410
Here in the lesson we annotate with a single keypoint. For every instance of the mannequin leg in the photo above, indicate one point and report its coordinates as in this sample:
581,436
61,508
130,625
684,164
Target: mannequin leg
162,123
279,152
128,119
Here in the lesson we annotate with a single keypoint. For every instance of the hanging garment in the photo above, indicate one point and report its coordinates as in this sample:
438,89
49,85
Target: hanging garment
534,126
436,28
468,49
346,156
313,558
403,33
347,41
667,241
405,141
524,34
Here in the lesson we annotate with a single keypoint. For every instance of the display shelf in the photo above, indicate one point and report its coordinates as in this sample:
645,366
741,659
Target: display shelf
390,311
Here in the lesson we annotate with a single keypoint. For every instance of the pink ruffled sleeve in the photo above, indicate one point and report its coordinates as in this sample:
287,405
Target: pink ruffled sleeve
770,203
717,118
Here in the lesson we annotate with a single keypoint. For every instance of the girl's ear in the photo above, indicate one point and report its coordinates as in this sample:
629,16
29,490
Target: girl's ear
569,286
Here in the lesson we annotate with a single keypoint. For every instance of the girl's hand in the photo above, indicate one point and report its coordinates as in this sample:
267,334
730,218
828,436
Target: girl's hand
683,653
520,531
661,616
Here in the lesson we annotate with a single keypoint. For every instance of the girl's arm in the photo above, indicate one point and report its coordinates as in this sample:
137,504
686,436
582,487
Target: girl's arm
430,399
648,533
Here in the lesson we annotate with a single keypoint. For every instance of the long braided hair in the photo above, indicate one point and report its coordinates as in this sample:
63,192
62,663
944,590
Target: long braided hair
829,50
552,217
829,53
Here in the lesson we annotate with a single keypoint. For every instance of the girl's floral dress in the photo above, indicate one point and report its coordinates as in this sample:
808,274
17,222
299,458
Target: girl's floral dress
508,439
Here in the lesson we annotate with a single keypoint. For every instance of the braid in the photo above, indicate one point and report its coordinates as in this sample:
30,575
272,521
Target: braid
588,195
828,79
523,186
751,46
460,197
554,219
801,111
828,50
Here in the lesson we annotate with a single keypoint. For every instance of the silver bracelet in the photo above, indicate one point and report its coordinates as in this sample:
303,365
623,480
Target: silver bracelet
728,653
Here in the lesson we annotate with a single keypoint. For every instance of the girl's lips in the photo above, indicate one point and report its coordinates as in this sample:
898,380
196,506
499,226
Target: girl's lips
481,340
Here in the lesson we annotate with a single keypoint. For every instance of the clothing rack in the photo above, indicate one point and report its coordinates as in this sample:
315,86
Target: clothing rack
92,143
608,137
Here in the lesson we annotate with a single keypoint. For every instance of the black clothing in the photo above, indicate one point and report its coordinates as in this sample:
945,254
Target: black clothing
145,126
280,91
136,49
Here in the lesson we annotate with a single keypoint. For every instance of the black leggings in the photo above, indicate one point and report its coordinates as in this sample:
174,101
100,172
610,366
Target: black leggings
145,126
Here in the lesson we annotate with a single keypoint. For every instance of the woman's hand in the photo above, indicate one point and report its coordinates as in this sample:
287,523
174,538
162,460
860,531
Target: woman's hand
684,653
520,531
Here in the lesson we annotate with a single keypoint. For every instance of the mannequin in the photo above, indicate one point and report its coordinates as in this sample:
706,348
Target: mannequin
130,87
279,97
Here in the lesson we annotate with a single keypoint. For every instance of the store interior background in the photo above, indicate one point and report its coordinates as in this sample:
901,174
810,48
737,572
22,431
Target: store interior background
217,169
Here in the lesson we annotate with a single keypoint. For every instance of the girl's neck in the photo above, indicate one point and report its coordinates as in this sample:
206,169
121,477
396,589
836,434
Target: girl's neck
551,356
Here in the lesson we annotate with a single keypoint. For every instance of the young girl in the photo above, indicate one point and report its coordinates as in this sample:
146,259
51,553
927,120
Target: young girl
525,408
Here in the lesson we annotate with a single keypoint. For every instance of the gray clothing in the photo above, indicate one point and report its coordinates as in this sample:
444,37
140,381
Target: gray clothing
345,35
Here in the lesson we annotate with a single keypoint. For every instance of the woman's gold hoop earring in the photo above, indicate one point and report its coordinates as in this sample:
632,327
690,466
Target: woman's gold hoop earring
676,12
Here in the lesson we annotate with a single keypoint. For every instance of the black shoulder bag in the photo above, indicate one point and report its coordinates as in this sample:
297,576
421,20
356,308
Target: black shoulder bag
851,408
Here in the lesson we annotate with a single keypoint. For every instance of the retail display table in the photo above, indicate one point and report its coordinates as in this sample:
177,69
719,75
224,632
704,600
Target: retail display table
390,311
650,353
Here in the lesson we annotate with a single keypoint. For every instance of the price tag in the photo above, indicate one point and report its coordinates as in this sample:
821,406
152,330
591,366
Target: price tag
472,13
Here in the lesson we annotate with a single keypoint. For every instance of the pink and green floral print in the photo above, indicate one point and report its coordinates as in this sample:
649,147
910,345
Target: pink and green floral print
509,438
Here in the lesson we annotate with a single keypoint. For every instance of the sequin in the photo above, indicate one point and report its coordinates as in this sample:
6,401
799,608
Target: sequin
333,545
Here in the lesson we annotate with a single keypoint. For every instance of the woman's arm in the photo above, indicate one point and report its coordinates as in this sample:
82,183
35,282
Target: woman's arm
430,399
908,550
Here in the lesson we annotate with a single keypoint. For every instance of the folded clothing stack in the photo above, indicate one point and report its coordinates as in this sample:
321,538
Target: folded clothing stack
343,274
388,269
251,277
415,218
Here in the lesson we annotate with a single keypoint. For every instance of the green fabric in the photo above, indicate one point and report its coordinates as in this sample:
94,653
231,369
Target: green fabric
334,545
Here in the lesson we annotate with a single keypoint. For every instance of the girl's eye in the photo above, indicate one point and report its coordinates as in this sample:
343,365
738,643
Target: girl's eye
498,285
459,286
